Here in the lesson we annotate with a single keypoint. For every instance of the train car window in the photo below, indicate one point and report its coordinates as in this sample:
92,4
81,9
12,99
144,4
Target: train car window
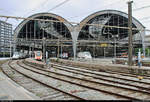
38,53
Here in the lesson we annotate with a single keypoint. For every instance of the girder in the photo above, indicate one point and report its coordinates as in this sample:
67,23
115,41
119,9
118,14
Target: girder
49,28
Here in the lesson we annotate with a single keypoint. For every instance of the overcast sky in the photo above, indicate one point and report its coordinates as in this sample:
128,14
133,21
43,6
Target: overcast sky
73,10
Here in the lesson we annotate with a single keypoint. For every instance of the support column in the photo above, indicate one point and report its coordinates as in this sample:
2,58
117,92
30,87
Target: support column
58,49
61,51
143,41
74,34
74,49
115,49
14,42
104,52
30,50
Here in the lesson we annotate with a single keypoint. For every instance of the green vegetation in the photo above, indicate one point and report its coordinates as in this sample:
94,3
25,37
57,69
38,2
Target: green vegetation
39,94
5,54
2,62
147,51
57,60
11,75
49,73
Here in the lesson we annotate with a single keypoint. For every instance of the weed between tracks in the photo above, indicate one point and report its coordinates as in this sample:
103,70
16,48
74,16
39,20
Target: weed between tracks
39,94
11,75
2,62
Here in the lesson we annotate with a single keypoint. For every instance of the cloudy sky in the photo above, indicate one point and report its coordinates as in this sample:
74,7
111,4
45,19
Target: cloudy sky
72,10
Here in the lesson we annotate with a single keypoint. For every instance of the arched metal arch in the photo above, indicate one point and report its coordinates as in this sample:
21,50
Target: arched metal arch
18,28
87,19
135,21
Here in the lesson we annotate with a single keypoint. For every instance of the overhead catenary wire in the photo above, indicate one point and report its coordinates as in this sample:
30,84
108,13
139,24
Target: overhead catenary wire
146,21
46,20
4,10
36,7
92,24
92,11
58,5
144,7
145,18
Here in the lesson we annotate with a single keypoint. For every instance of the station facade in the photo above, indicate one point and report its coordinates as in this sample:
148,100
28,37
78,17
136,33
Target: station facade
101,33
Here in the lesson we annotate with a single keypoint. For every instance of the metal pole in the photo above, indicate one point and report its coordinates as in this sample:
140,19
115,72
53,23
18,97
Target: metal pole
104,52
30,50
130,33
115,49
148,52
10,43
58,49
46,58
61,50
143,44
44,42
94,51
10,48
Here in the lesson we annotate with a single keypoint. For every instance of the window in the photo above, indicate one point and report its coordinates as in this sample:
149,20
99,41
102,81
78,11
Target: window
38,53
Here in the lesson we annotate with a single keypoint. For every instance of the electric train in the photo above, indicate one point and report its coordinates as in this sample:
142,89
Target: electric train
84,55
38,55
18,55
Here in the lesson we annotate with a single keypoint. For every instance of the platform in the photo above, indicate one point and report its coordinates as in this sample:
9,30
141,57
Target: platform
9,90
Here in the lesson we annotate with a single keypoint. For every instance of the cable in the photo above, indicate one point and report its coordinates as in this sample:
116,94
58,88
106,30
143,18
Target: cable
141,8
135,5
3,10
58,5
95,9
13,17
144,18
146,21
35,8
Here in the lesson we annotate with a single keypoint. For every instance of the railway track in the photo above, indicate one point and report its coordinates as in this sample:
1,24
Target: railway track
82,91
142,85
131,93
103,75
111,72
44,91
96,94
